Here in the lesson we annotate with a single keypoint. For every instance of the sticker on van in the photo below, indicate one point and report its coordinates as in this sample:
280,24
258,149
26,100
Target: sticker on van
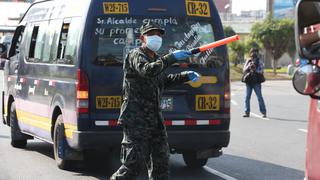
198,8
203,80
115,8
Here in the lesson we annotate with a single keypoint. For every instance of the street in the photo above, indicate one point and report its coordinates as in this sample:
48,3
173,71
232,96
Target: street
271,148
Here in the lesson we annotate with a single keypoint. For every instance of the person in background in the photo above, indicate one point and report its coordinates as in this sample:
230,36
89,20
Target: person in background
254,64
145,141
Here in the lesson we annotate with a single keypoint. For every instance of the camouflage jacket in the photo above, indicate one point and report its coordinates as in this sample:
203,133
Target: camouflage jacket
143,85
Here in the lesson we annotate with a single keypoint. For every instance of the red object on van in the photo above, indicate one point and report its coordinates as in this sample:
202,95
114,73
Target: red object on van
313,143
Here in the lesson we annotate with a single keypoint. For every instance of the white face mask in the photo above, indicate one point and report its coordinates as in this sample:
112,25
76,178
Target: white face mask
153,42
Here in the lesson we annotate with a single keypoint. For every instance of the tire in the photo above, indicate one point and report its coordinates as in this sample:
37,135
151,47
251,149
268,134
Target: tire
192,162
18,139
60,145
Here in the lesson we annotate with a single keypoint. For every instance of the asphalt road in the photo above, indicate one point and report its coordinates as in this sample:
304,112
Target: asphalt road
271,148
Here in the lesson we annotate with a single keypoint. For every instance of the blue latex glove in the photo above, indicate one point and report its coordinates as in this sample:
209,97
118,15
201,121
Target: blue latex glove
193,76
181,54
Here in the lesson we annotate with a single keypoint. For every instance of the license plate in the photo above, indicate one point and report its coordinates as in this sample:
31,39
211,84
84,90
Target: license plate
198,8
108,102
166,103
208,102
116,8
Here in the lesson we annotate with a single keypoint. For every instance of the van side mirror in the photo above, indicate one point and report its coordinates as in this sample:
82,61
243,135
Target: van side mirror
307,29
3,49
306,80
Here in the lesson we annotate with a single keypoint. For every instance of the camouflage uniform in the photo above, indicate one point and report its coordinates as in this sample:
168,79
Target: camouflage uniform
144,134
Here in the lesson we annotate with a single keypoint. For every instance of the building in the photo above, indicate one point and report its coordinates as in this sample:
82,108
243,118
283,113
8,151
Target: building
9,18
25,1
223,6
284,8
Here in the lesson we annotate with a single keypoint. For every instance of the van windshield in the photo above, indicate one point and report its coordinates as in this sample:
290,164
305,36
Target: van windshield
114,37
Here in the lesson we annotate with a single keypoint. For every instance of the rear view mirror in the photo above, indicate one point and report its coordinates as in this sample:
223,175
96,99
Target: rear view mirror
3,49
307,29
306,80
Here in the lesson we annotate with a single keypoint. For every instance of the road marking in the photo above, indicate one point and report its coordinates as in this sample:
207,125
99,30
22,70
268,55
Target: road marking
253,114
217,173
303,130
234,102
258,116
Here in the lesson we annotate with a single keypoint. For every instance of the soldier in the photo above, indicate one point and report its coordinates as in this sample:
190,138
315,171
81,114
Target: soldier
144,135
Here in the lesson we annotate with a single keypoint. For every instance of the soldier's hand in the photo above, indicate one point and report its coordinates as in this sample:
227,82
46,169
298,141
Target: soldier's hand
193,76
180,55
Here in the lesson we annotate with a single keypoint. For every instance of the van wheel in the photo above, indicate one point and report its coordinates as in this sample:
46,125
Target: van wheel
60,145
18,139
192,162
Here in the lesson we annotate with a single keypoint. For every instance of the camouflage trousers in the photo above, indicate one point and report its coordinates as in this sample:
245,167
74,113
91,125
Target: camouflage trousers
143,147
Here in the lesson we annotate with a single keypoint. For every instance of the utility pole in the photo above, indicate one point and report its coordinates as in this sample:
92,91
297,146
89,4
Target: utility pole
267,55
270,7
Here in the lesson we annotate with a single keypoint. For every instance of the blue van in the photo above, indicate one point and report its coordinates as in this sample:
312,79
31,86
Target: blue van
63,76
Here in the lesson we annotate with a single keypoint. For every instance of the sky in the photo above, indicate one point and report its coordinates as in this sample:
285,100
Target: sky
8,10
243,5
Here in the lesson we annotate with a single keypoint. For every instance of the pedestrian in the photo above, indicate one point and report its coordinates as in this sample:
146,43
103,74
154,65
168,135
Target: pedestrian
145,141
254,66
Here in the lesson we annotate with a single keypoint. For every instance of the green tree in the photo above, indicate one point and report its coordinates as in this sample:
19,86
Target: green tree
237,52
228,31
236,49
275,35
292,47
251,43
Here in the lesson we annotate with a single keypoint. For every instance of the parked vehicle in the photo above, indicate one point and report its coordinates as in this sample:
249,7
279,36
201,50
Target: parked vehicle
3,49
6,41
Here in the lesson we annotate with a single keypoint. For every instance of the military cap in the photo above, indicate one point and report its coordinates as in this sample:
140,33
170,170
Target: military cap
146,27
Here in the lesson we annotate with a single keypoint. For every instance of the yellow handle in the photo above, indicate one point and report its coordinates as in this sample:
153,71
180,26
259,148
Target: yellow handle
203,80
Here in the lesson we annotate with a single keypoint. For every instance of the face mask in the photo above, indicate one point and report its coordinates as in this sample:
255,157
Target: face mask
255,55
153,42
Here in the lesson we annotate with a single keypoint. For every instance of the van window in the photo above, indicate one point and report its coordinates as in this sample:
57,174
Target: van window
63,40
115,37
36,41
72,41
33,40
49,53
40,42
55,42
